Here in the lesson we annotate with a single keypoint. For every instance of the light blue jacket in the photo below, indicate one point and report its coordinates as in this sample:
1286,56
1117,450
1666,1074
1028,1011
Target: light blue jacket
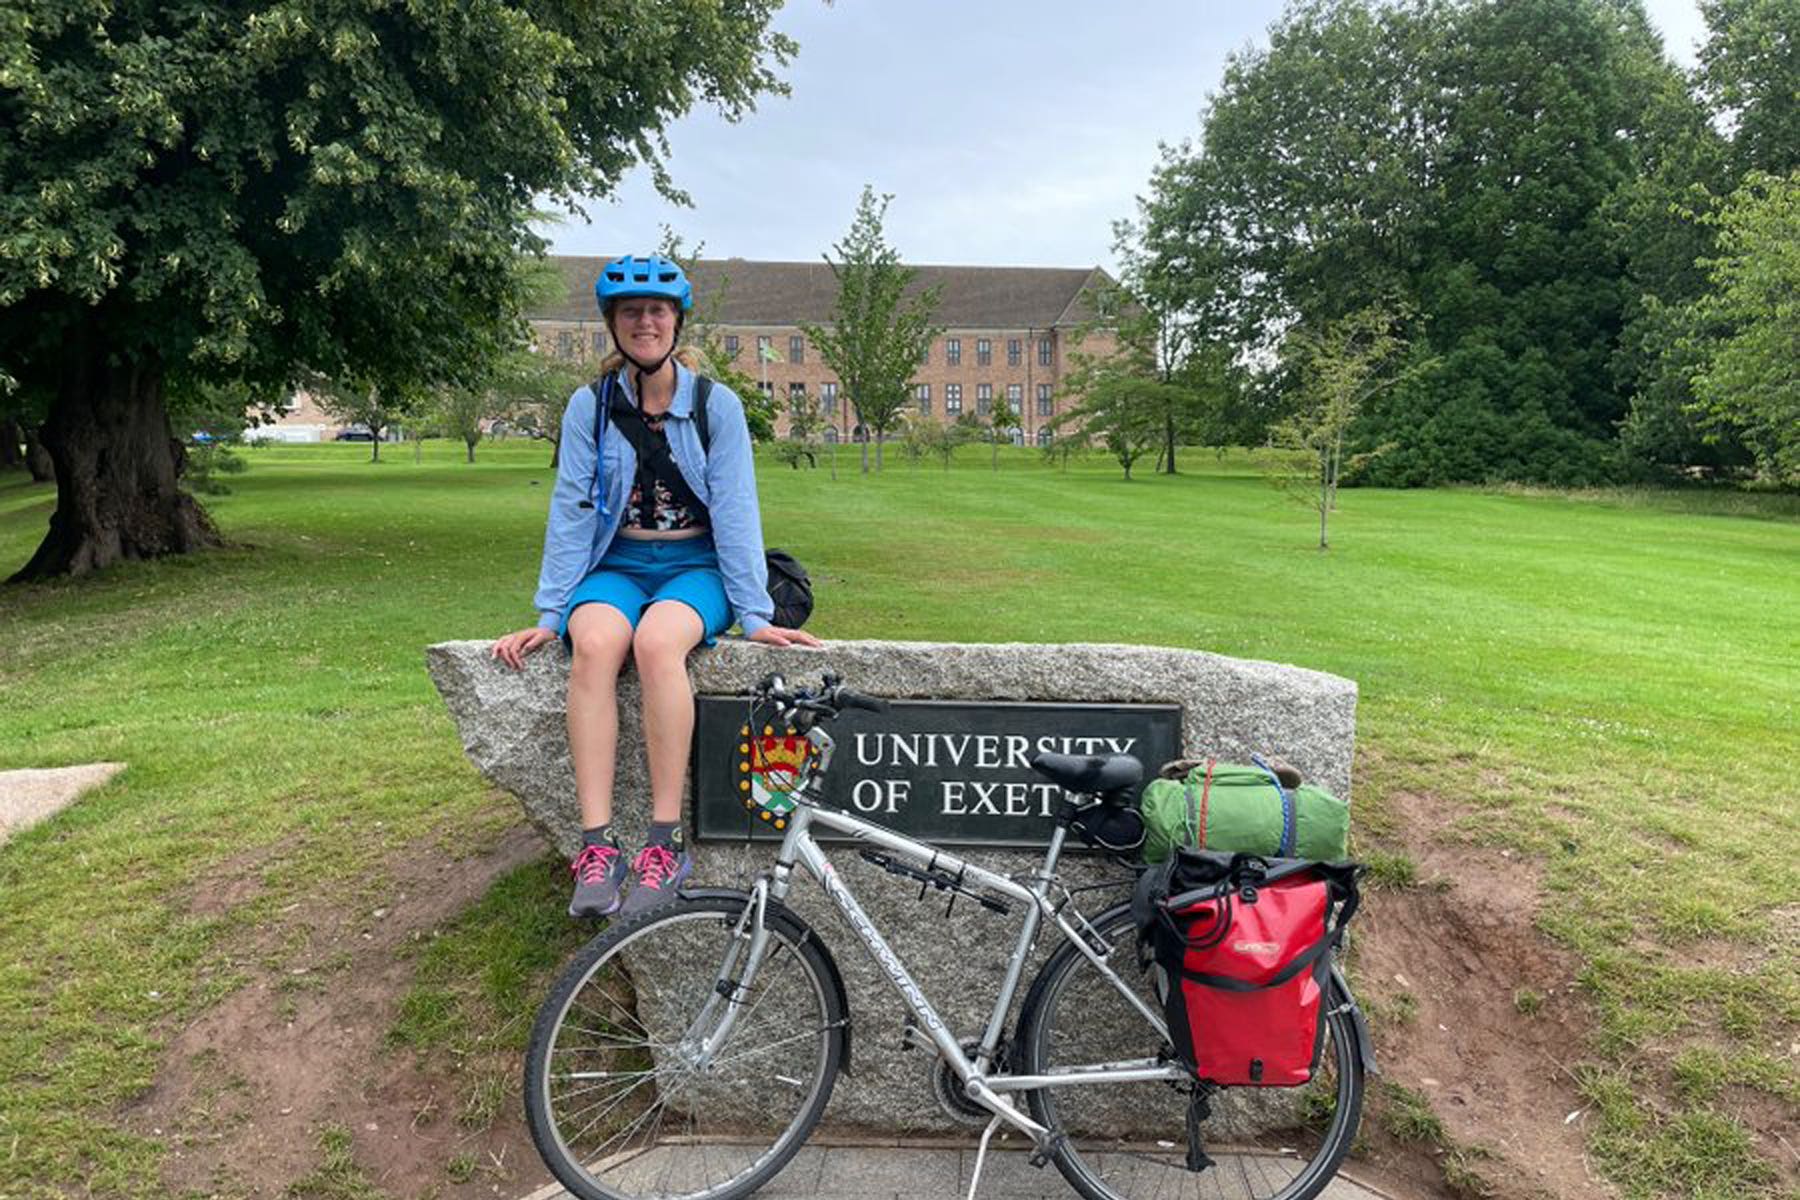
586,505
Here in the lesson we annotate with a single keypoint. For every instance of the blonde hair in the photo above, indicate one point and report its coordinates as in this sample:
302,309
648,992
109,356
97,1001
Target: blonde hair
687,356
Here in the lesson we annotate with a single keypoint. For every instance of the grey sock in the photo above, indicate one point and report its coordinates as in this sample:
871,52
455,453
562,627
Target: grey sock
665,833
599,835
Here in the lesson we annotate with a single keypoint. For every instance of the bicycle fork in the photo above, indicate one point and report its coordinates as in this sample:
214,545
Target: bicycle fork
744,952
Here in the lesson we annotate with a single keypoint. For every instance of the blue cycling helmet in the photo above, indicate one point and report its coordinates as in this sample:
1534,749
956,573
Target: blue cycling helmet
651,276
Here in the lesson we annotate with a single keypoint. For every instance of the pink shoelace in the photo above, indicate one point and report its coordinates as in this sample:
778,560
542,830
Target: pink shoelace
654,864
593,863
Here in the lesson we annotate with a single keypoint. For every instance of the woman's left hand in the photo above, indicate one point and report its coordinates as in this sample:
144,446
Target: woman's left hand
776,635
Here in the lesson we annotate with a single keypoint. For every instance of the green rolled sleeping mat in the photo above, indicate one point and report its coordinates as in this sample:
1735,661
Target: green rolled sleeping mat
1242,809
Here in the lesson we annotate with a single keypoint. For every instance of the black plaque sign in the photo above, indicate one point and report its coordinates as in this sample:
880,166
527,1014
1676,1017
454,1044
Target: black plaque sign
951,772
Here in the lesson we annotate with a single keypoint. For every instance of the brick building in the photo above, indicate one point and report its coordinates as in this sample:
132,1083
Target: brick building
1008,333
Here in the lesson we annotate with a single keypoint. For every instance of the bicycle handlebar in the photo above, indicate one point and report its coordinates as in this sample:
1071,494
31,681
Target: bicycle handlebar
826,701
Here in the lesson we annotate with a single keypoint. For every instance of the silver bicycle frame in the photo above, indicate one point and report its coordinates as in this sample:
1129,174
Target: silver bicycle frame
800,848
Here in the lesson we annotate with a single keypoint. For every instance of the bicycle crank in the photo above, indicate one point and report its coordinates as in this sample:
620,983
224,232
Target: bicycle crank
948,1089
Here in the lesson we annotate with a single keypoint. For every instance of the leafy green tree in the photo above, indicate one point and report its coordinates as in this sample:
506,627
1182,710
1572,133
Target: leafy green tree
1340,367
1459,155
1748,371
22,418
333,187
1002,420
463,413
943,437
538,389
806,428
362,401
1750,76
878,332
703,331
1117,408
1660,234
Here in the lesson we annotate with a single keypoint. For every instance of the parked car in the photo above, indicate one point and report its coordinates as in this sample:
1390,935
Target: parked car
355,433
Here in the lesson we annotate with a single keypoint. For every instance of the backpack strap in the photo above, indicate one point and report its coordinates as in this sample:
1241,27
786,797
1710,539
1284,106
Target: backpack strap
652,451
654,459
702,389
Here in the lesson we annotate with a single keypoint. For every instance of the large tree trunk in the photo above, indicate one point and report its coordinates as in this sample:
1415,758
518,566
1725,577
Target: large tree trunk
37,459
116,470
1169,443
11,456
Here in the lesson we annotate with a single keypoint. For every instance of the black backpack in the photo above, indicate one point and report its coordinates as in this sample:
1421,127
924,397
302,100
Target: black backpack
790,588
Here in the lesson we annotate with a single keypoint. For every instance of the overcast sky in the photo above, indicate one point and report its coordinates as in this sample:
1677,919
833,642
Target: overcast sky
1010,132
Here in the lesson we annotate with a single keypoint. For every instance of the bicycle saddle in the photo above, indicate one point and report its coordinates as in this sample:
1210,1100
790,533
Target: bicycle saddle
1090,773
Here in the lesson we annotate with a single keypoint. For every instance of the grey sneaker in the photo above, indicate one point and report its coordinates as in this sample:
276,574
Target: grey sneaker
656,873
599,875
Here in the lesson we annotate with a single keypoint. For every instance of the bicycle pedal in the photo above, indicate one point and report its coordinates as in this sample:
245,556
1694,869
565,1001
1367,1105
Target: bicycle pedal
913,1038
1040,1158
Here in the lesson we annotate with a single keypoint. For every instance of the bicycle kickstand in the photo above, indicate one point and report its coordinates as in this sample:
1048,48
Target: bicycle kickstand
981,1156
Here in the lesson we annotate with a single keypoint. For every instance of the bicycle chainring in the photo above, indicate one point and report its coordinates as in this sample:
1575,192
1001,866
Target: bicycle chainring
948,1089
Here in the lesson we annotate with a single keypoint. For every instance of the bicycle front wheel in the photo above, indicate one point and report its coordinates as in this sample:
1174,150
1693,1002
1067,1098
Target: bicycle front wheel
1130,1141
621,1098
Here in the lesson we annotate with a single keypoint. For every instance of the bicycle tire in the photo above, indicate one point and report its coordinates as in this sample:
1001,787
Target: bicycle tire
658,1127
1129,1141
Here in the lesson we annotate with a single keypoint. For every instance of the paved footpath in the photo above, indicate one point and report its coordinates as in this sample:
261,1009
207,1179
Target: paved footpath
27,797
937,1172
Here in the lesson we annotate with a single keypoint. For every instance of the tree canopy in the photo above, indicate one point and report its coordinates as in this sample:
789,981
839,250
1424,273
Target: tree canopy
206,189
877,333
1530,178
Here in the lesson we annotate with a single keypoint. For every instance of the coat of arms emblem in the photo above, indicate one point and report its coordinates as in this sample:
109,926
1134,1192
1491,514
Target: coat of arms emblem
772,767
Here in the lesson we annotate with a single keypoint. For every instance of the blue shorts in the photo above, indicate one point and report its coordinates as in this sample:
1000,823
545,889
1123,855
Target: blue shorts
637,573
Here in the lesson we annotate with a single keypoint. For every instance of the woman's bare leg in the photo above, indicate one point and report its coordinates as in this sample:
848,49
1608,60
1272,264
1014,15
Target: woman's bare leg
666,632
602,637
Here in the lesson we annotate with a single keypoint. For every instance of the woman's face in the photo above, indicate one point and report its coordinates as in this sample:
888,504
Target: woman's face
644,327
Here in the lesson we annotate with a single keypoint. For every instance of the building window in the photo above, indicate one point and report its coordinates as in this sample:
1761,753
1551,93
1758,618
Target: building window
984,398
1043,437
953,352
1043,352
565,344
925,354
923,392
796,349
796,396
599,343
766,388
1045,407
952,399
732,346
984,352
763,353
1015,397
831,435
1013,352
828,401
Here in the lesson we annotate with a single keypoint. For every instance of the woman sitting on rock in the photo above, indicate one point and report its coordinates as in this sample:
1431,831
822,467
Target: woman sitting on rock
647,554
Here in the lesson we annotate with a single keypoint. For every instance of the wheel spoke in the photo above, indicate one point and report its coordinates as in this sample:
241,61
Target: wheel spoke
1265,1143
613,1098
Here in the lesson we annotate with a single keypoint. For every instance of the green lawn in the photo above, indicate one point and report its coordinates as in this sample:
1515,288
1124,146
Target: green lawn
1606,682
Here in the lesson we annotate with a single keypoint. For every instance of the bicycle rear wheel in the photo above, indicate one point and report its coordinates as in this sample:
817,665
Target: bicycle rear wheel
616,1100
1129,1141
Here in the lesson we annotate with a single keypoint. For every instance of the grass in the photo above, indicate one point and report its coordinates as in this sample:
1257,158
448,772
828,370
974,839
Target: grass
1606,682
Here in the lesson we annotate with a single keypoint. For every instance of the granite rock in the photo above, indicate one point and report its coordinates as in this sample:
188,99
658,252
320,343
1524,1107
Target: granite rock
512,727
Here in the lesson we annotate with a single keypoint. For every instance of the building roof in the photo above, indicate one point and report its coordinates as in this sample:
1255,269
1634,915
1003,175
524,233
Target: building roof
746,292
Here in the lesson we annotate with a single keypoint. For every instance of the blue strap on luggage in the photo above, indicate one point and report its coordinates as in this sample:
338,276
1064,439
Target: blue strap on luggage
1288,832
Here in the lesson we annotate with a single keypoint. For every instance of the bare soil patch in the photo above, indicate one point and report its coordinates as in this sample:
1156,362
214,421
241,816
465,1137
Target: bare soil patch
1478,1014
244,1091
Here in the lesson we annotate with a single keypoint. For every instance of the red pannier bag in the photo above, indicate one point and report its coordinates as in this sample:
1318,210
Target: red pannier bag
1242,947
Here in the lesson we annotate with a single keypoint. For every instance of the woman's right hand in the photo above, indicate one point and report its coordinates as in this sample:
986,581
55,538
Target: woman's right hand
513,648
